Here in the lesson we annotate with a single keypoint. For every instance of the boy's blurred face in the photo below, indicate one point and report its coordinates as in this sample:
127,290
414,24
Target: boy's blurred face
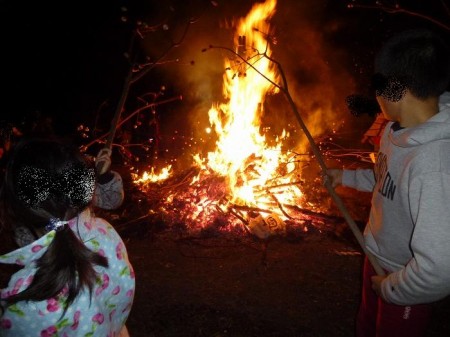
388,108
390,87
389,91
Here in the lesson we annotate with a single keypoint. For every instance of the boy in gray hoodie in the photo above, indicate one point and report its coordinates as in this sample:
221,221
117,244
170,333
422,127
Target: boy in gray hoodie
408,229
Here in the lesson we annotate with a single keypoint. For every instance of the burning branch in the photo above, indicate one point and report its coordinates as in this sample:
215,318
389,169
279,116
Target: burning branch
280,206
294,183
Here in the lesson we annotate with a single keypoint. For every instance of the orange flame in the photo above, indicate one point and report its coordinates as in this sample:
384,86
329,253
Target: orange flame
252,174
153,177
254,170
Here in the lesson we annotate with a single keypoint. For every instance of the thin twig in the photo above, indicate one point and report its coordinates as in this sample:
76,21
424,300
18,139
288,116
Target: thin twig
119,124
397,10
294,183
280,206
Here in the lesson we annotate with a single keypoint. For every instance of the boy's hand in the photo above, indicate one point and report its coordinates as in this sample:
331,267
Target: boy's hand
103,161
334,176
376,283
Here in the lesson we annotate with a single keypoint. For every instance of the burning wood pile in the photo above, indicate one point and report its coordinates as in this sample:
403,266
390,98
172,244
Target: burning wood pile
245,184
199,202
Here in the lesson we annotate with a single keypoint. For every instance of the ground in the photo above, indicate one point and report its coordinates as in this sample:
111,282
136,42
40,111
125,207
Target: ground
226,284
232,284
223,286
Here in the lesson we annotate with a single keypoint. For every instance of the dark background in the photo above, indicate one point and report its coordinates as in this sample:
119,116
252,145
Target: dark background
68,62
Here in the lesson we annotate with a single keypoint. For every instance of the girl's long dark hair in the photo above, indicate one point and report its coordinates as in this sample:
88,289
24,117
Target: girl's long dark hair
67,261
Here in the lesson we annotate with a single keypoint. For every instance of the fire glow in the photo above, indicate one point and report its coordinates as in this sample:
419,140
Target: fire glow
153,177
242,154
256,179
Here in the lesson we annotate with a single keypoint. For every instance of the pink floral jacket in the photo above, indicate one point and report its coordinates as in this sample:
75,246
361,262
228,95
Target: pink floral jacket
104,314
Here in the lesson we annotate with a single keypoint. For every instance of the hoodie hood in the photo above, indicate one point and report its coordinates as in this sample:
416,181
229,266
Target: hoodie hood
436,128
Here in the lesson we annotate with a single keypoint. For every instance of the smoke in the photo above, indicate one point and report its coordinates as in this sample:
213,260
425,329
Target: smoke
316,69
198,71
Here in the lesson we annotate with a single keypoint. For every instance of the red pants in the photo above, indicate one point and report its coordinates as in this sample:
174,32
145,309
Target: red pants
377,318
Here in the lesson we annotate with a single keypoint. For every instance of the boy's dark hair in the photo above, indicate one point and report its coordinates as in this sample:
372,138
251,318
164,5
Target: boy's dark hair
417,60
47,180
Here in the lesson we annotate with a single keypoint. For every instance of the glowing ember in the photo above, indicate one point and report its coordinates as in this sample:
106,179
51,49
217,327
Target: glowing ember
153,177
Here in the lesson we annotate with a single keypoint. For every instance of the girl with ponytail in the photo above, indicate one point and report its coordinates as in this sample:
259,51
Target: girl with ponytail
75,279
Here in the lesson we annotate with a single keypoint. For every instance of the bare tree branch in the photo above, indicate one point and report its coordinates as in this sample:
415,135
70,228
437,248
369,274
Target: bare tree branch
396,9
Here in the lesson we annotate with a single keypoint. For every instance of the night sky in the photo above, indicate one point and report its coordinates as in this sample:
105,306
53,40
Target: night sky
59,61
67,59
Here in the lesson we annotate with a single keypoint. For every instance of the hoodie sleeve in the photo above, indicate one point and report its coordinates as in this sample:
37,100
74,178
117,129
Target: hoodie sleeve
361,179
426,277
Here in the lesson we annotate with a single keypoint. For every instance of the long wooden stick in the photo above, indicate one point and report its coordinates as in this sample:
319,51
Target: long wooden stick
353,226
118,112
121,103
340,204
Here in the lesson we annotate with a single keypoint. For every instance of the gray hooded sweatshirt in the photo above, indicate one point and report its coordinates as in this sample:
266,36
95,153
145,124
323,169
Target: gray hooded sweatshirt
408,230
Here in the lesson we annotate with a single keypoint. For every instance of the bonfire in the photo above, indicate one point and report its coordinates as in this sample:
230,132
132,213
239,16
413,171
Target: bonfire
245,184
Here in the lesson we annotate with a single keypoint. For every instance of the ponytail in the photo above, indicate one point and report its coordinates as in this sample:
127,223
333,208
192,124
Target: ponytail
66,263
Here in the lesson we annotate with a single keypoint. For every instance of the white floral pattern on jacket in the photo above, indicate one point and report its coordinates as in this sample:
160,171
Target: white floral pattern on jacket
104,314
